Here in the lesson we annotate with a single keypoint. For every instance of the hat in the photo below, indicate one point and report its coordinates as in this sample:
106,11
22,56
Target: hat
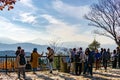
48,48
19,47
35,49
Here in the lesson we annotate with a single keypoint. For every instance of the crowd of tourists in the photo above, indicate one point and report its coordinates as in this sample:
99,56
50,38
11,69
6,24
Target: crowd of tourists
82,62
23,65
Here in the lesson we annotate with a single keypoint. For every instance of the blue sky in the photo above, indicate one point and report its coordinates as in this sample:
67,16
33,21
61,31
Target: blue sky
49,20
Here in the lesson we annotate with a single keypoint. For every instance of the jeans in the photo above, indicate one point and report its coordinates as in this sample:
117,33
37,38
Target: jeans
85,67
34,70
78,68
21,70
50,65
88,68
105,64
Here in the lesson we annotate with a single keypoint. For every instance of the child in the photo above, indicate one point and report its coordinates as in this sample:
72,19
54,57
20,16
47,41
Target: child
28,66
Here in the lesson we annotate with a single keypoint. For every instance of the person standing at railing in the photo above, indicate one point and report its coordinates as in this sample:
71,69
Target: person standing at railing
18,51
34,59
50,56
21,63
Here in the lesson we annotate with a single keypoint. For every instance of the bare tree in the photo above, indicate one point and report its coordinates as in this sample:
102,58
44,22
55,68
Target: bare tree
55,45
105,15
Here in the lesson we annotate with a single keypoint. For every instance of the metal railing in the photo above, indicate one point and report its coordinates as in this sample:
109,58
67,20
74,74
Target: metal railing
8,63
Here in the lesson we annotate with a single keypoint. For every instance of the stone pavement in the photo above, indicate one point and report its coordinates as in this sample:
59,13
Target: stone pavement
111,74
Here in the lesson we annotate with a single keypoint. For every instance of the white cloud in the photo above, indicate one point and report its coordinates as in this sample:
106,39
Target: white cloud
56,29
17,32
89,37
6,25
73,11
51,19
28,3
25,11
26,18
67,32
104,40
62,30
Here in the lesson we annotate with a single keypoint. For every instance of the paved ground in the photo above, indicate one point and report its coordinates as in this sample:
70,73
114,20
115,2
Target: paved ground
111,74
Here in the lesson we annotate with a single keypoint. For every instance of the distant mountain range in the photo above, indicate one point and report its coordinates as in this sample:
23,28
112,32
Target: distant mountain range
28,47
84,45
9,49
9,44
11,53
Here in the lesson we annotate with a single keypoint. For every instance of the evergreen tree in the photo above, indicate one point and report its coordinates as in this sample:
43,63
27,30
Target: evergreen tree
94,45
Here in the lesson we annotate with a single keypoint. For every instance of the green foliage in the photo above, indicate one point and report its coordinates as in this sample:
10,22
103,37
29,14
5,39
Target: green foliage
57,62
94,45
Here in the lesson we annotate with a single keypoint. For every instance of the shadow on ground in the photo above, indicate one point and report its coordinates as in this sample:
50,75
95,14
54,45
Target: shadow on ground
95,78
66,78
109,75
44,77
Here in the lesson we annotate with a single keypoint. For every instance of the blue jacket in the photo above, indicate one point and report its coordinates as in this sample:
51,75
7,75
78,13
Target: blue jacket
90,58
97,56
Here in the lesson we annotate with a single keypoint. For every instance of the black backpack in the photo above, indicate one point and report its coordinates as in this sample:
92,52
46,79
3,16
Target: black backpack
77,59
22,59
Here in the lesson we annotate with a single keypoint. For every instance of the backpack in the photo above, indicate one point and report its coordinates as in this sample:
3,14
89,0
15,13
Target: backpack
28,67
22,59
52,54
77,57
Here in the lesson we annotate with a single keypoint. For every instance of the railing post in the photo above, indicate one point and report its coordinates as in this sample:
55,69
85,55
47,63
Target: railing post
6,63
58,62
